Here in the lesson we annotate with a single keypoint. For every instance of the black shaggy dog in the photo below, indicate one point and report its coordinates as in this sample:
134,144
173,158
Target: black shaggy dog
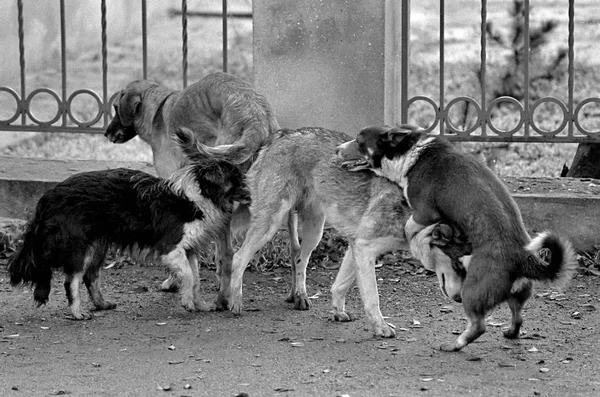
77,221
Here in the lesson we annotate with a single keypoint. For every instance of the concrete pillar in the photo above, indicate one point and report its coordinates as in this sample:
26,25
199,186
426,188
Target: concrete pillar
323,62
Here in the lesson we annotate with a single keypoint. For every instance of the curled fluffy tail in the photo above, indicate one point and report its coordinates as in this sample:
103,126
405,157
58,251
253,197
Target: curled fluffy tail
551,260
24,268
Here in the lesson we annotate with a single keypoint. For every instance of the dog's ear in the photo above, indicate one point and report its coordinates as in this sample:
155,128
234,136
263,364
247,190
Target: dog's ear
395,136
130,103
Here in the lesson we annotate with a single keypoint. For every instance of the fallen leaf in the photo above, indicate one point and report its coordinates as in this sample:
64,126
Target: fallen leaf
171,347
507,365
283,389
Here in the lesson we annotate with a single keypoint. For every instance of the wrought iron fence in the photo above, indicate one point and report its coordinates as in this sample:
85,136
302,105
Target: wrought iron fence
481,127
65,119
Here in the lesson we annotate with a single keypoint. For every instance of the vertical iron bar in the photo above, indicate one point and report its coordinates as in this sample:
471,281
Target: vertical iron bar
483,67
63,63
529,118
442,106
22,105
404,56
144,41
571,66
225,38
184,36
106,111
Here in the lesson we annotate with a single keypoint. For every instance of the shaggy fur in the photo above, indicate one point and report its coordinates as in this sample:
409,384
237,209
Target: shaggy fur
297,180
441,183
222,110
77,221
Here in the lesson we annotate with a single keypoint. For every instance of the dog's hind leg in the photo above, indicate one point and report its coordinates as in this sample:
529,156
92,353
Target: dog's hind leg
74,293
265,223
93,262
313,221
520,293
367,282
343,281
198,301
485,287
294,251
177,262
223,256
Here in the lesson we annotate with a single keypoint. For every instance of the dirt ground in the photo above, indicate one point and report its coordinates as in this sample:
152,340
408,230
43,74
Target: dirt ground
151,346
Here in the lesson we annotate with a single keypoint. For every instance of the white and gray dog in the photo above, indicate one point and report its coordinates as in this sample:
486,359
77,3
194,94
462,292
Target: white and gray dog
174,219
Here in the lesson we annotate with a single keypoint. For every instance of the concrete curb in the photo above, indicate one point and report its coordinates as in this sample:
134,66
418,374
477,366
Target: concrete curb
577,216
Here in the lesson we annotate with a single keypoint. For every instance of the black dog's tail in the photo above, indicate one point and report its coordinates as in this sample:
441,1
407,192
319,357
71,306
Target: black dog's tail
551,259
26,267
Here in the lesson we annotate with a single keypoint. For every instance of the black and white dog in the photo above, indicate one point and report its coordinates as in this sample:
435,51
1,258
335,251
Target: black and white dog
77,221
440,183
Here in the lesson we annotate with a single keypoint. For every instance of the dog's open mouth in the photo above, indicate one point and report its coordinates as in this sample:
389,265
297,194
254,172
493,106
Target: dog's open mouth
356,165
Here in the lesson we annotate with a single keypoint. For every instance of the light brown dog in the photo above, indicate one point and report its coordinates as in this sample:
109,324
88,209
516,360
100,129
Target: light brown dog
221,110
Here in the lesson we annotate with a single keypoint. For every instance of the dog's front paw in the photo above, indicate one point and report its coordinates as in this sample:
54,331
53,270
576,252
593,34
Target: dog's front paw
188,304
236,303
344,317
80,314
384,331
301,302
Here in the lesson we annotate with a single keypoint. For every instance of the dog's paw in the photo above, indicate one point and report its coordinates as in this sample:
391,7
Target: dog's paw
384,332
301,302
344,317
235,306
80,314
511,333
188,304
450,347
170,285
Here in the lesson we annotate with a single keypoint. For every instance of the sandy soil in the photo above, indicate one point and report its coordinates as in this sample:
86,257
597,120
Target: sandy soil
151,346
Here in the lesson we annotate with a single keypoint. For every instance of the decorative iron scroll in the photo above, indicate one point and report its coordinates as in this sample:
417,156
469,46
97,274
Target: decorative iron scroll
478,129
